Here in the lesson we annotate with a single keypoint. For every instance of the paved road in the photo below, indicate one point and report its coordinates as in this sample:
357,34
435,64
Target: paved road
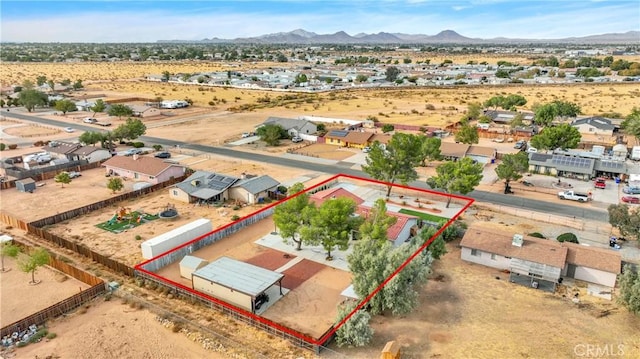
482,196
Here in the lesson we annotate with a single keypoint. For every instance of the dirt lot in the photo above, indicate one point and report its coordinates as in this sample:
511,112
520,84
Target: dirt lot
16,291
466,311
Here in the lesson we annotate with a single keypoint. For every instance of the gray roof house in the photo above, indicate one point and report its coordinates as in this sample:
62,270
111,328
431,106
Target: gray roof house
507,116
203,186
293,126
253,189
594,125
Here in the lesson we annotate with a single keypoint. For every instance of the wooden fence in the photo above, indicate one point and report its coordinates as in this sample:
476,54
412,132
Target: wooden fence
97,288
60,217
45,173
55,310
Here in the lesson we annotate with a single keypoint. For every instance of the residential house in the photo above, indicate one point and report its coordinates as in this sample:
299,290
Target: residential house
143,169
353,139
293,126
505,117
203,186
336,192
60,149
582,165
542,263
92,154
453,151
253,189
482,154
144,111
594,125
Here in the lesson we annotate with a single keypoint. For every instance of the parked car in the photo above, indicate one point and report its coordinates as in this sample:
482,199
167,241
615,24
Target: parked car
90,120
246,134
520,145
600,183
74,174
163,155
68,129
631,190
296,139
366,149
631,199
131,152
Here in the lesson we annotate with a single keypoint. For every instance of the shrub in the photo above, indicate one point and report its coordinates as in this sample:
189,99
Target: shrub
51,335
537,235
137,144
235,208
138,237
567,237
157,147
2,146
235,217
13,146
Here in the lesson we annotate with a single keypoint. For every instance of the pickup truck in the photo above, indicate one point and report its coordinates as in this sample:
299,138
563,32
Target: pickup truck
574,196
600,183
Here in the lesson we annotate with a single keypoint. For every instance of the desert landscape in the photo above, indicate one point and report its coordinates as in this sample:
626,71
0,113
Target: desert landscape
463,306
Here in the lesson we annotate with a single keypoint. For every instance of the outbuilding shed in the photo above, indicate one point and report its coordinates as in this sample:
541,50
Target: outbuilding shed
190,264
26,185
238,283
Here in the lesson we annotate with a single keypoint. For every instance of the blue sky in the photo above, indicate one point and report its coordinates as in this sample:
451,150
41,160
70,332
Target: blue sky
148,21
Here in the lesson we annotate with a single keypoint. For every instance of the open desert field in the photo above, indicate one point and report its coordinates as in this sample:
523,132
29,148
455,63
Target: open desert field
414,106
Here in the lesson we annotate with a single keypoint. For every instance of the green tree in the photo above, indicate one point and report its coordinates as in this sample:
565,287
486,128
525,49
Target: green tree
387,127
331,225
474,110
512,167
629,284
31,98
166,75
63,178
301,78
355,331
10,250
52,85
467,134
544,115
65,106
563,136
623,219
376,223
461,176
98,106
41,80
78,85
115,184
566,109
631,123
292,214
131,129
271,134
368,263
91,137
396,162
517,121
36,259
429,149
120,111
437,248
361,78
27,85
391,73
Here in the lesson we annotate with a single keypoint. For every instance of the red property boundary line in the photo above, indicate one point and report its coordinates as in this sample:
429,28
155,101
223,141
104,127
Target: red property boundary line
327,336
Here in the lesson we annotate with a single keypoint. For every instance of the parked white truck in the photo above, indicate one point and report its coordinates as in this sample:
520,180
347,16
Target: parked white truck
635,153
574,196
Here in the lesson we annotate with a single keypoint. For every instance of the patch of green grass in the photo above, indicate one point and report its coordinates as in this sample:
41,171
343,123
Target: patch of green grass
117,226
425,216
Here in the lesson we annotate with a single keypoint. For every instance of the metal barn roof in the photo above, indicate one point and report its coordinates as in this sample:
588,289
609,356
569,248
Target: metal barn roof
239,276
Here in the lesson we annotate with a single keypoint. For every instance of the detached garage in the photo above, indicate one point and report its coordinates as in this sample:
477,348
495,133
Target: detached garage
238,283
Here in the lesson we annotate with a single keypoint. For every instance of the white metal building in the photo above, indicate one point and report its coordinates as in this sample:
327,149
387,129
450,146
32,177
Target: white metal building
176,237
235,282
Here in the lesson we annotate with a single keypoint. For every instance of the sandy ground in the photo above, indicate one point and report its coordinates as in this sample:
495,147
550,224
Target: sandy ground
112,330
15,290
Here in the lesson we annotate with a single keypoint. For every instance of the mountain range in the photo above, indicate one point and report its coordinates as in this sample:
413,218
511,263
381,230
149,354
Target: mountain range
301,36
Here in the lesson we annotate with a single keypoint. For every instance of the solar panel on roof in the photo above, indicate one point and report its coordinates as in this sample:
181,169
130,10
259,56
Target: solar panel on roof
339,133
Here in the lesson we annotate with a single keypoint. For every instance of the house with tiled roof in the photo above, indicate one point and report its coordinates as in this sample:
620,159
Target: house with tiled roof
143,169
542,263
253,189
336,192
203,186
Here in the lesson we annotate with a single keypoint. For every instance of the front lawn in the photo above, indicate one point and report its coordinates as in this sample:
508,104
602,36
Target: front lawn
425,216
119,224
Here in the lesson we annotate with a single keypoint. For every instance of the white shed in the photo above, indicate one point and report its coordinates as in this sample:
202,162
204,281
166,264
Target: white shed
190,264
174,238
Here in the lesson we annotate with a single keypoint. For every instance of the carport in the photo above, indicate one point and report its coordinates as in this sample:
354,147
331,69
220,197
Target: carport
238,283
